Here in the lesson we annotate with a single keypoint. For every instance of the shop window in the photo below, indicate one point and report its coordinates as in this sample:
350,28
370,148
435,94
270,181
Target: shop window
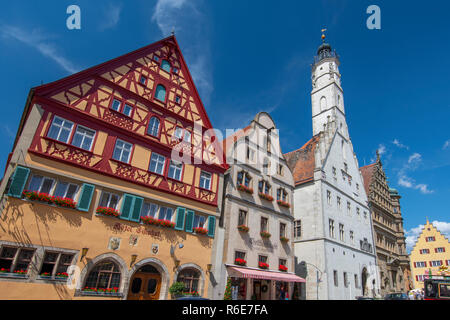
105,275
190,277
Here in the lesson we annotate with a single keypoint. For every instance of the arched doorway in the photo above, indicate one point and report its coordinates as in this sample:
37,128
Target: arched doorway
145,284
364,282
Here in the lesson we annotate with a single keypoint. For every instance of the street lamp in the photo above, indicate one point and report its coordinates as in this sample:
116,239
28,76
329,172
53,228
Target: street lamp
318,278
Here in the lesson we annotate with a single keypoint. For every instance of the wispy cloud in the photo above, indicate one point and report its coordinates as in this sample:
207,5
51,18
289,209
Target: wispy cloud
446,145
38,41
189,24
111,17
400,145
413,233
404,180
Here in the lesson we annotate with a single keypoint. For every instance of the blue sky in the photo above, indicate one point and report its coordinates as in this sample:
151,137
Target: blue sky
248,56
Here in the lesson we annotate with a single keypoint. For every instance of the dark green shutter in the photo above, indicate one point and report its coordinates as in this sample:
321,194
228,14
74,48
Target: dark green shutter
87,191
136,213
180,218
127,205
18,181
211,226
189,221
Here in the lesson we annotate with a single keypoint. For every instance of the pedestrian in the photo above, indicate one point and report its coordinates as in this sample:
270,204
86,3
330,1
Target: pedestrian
282,293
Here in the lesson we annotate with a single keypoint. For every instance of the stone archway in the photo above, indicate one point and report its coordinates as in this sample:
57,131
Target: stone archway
201,284
159,267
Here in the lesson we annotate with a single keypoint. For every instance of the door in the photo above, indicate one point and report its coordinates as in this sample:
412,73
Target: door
145,286
257,289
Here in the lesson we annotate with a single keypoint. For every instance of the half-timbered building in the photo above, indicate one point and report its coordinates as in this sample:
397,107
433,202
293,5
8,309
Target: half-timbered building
113,185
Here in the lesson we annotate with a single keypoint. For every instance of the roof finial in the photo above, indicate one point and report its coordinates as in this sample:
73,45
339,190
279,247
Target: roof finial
323,34
173,31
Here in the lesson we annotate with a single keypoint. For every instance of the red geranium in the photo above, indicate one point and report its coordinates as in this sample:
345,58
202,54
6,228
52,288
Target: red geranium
263,265
108,211
282,268
200,230
240,262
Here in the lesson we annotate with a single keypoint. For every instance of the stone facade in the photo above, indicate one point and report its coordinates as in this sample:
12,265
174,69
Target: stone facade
384,203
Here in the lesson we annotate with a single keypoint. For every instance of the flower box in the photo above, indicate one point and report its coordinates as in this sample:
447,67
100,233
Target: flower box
45,275
100,290
108,211
282,268
64,202
20,272
244,188
265,196
243,228
284,239
46,198
190,294
265,234
150,221
166,223
240,262
263,265
283,204
200,230
3,270
62,275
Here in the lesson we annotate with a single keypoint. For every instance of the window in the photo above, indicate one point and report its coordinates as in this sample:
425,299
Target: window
156,58
180,134
430,239
266,166
339,203
41,184
262,259
264,224
55,263
420,264
282,262
352,238
122,151
335,275
349,208
104,276
143,80
15,259
242,218
109,200
280,170
60,129
334,172
165,65
329,197
331,227
66,190
341,232
149,210
297,229
157,163
117,106
282,229
264,187
175,70
165,213
175,170
83,138
205,180
250,153
358,213
345,280
282,194
356,281
357,187
439,250
436,263
190,277
199,221
153,127
127,110
424,251
420,278
239,255
160,93
244,178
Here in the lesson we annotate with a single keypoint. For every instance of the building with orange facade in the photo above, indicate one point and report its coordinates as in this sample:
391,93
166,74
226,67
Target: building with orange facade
113,185
430,256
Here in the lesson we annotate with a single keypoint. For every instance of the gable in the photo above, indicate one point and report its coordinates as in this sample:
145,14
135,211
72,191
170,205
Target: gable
302,162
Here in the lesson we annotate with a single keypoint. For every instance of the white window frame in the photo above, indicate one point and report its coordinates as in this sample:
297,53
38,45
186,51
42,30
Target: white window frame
110,195
199,219
42,183
69,184
165,210
122,150
157,158
207,179
60,129
147,210
84,137
177,169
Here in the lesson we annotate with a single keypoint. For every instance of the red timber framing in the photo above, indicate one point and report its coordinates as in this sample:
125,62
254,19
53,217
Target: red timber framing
85,98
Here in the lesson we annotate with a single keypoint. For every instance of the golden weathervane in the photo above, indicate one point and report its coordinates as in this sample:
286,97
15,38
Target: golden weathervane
323,34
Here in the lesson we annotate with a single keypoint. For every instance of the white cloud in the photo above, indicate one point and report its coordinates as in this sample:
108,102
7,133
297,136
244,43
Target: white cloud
413,233
400,145
446,145
40,42
415,158
190,25
111,17
381,149
404,180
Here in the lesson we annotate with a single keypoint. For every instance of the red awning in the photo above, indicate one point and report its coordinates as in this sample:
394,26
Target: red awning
267,275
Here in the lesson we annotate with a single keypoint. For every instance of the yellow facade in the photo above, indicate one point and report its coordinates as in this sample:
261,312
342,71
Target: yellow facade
431,254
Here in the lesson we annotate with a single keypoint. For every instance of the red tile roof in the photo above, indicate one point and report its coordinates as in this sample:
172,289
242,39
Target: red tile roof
367,174
302,162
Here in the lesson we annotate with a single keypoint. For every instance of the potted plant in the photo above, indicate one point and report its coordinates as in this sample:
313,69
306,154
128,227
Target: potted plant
240,262
265,234
108,211
200,230
243,228
284,239
268,197
282,268
150,220
45,275
176,289
242,187
64,202
20,272
62,275
4,270
283,204
263,265
166,223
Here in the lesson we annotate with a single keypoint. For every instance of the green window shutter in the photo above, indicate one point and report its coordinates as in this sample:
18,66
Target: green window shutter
18,181
211,226
136,212
189,221
87,191
127,205
180,218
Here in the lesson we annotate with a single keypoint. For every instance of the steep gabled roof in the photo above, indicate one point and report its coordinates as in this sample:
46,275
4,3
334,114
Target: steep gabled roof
302,162
229,141
367,174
